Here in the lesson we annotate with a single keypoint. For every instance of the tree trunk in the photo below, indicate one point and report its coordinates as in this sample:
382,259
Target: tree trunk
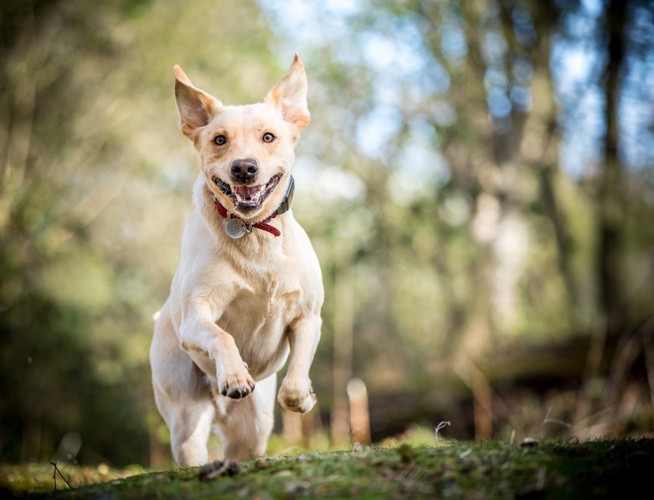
611,200
343,346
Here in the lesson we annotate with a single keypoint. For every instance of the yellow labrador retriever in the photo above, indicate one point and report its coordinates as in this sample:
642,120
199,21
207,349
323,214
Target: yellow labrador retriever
248,290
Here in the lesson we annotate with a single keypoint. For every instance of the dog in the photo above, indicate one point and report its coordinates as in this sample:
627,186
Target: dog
248,291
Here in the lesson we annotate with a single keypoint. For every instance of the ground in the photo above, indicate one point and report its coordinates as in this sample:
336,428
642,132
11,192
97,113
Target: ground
533,469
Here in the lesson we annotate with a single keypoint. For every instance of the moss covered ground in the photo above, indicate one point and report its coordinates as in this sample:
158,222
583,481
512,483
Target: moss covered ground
486,470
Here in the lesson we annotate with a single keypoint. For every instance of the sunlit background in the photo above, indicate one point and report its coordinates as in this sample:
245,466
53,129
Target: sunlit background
477,180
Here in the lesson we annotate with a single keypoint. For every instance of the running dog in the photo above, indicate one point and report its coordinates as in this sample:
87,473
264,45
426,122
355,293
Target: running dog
248,291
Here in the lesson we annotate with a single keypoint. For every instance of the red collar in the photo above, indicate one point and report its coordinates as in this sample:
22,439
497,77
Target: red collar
284,206
259,225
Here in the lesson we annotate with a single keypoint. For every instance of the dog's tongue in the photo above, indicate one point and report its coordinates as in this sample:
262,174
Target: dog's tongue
248,193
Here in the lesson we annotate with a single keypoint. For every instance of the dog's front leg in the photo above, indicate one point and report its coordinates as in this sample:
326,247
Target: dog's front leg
295,392
214,351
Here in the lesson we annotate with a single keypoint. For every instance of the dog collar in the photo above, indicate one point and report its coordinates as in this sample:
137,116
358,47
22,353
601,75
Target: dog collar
236,227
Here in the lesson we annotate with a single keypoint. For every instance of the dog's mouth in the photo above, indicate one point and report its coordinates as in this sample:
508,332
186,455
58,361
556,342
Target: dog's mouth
247,197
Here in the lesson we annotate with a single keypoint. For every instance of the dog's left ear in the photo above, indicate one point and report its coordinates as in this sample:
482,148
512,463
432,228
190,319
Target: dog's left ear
290,95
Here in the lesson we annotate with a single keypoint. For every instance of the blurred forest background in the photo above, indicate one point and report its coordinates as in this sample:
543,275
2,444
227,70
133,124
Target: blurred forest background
477,179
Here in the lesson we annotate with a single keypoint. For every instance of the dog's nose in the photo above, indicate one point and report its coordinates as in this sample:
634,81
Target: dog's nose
245,170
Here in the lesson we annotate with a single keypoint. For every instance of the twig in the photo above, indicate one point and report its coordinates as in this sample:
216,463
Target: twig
558,421
548,420
441,426
54,476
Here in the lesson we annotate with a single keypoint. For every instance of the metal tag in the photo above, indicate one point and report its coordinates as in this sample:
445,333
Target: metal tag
236,228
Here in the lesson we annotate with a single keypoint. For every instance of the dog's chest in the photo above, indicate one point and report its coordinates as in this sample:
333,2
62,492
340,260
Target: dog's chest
258,318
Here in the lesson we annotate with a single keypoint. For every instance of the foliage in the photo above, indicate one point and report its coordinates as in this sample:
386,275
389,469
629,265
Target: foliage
465,183
88,247
453,180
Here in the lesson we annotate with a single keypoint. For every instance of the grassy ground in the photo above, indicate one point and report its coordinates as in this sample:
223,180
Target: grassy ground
549,469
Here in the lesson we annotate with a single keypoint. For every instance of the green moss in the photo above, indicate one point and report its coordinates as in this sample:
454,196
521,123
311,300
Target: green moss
549,469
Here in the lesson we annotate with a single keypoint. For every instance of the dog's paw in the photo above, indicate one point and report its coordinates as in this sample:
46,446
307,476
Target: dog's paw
235,385
218,468
297,397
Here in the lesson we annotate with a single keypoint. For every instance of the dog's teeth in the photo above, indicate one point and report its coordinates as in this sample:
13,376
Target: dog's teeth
249,193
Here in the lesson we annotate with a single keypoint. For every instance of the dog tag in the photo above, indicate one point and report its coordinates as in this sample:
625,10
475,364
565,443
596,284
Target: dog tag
235,228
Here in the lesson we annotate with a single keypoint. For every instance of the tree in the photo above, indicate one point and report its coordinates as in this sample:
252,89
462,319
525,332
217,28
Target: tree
88,247
478,108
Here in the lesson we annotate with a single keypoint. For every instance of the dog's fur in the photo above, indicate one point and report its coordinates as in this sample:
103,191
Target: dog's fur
237,307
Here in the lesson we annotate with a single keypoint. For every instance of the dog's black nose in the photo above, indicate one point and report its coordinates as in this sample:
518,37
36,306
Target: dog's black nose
244,171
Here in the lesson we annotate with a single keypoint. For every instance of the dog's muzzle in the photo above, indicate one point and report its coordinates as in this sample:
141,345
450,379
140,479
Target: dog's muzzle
247,197
244,171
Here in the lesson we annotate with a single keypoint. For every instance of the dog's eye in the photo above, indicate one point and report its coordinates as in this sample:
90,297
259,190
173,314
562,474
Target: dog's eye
268,137
220,140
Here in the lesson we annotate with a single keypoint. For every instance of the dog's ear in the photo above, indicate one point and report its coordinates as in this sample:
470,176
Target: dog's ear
196,107
290,95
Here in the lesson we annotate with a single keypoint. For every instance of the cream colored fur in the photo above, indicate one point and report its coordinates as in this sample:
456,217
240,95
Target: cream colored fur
237,307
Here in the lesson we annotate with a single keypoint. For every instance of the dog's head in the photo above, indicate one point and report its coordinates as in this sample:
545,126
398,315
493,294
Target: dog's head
246,152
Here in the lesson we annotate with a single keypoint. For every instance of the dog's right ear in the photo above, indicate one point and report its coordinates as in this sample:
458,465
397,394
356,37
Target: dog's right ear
196,107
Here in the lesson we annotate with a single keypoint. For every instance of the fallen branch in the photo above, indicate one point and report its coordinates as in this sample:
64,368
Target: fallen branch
54,476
